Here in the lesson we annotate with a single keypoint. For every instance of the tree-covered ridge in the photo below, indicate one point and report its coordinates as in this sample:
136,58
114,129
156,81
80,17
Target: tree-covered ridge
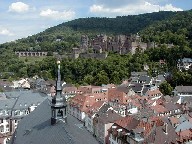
60,40
120,25
63,37
176,30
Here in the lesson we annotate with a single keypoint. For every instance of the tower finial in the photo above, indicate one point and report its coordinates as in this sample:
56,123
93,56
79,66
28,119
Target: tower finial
58,82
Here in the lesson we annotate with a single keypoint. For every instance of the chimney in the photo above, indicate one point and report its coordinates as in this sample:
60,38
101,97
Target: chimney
126,110
113,128
166,128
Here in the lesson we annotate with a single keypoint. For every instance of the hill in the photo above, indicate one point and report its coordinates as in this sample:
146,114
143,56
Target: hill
63,37
161,27
176,30
119,25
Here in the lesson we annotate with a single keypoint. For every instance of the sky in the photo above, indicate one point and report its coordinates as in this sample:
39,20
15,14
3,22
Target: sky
22,18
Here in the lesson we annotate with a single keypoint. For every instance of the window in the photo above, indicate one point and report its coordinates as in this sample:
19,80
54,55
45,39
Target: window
60,113
17,112
1,129
7,128
26,112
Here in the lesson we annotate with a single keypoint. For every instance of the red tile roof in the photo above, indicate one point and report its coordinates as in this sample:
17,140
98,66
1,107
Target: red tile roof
69,89
159,108
185,135
174,120
115,95
94,108
153,93
127,122
84,101
146,126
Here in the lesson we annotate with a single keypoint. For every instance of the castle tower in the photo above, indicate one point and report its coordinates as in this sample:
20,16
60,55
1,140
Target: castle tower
84,43
58,106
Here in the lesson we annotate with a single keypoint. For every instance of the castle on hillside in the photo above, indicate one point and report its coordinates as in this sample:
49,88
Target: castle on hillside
101,44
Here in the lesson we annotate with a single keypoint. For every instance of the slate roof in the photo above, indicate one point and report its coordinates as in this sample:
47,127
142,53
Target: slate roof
103,109
7,104
161,77
184,126
145,90
183,89
162,138
2,96
24,98
95,108
24,101
109,117
138,73
14,94
137,87
36,128
123,89
185,60
19,100
146,79
6,107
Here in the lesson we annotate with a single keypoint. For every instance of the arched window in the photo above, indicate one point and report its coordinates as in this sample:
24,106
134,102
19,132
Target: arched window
60,113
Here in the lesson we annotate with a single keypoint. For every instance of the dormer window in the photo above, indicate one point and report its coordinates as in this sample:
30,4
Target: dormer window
17,112
26,112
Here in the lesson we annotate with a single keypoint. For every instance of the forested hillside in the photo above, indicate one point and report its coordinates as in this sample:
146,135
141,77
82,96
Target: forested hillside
162,27
63,37
176,30
119,25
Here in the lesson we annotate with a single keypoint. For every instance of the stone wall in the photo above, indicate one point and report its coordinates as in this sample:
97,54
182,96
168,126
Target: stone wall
30,54
93,55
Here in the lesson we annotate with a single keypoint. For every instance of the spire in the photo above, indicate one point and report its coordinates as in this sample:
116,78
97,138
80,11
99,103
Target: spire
58,82
58,107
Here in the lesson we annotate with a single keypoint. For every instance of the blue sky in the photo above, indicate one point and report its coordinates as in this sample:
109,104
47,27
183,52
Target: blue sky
22,18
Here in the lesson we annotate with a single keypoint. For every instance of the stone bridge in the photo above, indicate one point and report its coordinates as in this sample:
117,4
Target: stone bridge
31,54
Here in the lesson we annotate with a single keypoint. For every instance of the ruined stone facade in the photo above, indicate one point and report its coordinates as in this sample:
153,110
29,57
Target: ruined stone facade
121,44
84,44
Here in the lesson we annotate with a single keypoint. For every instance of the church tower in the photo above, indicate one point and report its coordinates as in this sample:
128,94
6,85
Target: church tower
58,106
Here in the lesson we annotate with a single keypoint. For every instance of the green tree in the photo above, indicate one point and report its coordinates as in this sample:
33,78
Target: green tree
101,78
166,88
89,79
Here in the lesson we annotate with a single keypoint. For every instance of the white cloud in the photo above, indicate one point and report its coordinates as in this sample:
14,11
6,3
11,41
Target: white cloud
58,15
130,9
18,7
5,32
